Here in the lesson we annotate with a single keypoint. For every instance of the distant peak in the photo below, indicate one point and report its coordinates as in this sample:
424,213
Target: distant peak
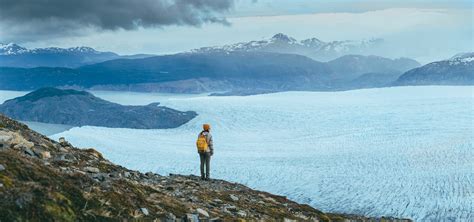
312,42
8,44
283,37
82,49
11,48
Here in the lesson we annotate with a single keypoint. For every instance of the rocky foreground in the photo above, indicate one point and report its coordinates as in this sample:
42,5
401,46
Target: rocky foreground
45,180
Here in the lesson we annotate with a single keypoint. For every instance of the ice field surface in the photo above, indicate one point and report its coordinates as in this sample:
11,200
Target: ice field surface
402,151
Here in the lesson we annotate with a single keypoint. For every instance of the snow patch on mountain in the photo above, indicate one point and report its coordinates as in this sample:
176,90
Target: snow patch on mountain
312,47
462,58
14,49
11,49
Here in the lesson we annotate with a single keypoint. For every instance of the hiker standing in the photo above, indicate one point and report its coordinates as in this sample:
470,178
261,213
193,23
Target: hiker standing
205,150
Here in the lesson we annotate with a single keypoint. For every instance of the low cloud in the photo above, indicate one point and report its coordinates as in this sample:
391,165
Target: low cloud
63,17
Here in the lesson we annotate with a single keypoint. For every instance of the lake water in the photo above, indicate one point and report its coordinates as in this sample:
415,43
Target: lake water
402,152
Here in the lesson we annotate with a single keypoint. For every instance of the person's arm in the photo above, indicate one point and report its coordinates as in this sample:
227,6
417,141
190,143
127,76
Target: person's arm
210,143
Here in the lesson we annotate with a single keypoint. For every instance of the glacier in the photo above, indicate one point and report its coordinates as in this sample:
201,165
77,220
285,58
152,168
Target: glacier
402,151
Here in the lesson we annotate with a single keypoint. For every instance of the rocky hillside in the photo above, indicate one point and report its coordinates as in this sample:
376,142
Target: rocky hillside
79,108
45,180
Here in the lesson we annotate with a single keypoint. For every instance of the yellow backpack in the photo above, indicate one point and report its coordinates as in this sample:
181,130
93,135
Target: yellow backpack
201,143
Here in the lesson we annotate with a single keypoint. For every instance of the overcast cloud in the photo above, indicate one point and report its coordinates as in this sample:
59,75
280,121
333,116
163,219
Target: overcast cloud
426,30
26,19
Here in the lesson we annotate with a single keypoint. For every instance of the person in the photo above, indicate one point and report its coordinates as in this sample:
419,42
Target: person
206,153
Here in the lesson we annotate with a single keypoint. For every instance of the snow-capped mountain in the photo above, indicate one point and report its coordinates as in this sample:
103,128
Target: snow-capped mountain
13,55
14,49
11,49
458,70
312,47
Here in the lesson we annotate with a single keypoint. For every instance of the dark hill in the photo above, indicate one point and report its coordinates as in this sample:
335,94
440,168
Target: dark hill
455,71
49,92
350,67
79,108
247,70
237,69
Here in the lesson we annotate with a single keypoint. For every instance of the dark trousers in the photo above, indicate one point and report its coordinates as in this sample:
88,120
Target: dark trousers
205,163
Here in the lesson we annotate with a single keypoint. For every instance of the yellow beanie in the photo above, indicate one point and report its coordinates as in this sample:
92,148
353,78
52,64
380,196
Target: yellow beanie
206,126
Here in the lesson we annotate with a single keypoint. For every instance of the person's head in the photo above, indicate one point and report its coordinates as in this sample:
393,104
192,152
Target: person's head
206,127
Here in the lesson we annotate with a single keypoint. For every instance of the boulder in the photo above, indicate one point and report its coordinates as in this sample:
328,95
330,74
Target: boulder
4,139
126,174
170,217
230,209
242,213
45,155
2,168
99,176
94,153
233,197
145,211
91,169
191,218
202,212
115,175
64,157
14,139
28,151
62,140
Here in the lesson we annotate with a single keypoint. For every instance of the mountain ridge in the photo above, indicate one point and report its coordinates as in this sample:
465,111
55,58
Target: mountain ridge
311,47
13,55
204,72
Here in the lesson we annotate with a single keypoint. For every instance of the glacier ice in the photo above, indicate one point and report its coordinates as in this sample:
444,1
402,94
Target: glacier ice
402,151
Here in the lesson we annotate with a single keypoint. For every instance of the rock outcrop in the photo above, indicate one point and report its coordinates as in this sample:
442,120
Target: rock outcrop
45,180
79,108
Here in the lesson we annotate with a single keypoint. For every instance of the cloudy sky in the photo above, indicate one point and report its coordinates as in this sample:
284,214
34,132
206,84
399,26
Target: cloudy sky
421,29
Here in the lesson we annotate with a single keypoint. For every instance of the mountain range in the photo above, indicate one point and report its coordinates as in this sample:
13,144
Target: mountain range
312,47
206,72
280,63
13,55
